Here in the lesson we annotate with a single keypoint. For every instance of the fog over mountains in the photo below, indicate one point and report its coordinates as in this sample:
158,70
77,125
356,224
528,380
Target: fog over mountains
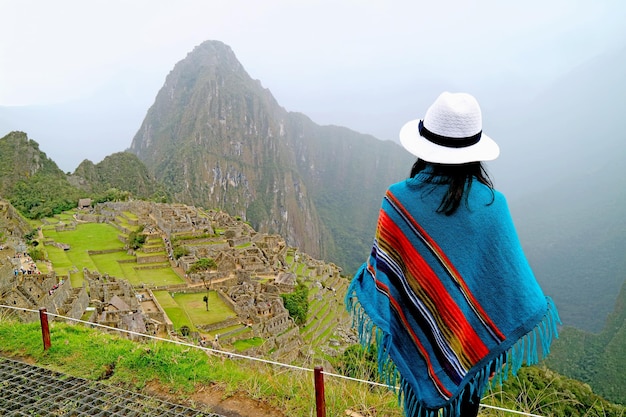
560,167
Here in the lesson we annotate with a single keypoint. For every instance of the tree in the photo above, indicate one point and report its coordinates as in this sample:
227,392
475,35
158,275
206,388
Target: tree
136,239
203,264
37,254
297,303
180,251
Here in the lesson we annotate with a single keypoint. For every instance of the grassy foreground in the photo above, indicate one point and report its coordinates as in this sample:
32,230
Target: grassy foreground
182,370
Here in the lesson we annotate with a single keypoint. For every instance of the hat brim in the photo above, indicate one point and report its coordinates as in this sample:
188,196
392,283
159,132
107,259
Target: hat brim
485,150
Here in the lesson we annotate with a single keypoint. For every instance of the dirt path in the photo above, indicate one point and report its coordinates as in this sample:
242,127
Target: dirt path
214,398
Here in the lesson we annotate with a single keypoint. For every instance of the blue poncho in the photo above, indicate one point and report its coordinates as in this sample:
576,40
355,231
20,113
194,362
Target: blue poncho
448,299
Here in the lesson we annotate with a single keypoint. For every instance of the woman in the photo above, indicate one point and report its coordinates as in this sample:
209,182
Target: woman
447,293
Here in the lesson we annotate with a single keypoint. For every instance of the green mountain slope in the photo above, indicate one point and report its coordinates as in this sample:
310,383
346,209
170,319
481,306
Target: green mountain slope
122,171
597,359
575,239
36,187
30,180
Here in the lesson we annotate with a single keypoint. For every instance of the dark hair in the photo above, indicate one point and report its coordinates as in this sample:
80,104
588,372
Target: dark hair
459,178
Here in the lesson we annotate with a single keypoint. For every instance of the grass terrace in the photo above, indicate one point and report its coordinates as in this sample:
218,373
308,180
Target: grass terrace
86,237
196,308
189,309
174,311
161,276
109,263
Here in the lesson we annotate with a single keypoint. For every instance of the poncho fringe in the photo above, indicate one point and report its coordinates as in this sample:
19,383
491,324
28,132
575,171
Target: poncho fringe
528,350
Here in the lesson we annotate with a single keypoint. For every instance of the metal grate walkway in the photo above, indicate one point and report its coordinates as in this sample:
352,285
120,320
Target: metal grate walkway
27,390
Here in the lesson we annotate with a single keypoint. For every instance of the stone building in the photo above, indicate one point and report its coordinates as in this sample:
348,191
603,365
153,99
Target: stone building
260,306
34,291
118,305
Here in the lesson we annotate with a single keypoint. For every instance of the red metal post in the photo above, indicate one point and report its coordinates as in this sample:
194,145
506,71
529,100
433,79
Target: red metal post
45,329
320,399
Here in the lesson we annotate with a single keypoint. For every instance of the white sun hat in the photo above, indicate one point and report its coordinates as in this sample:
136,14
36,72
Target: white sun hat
450,133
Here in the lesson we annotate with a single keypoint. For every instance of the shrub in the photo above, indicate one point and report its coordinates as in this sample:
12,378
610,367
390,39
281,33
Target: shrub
297,303
180,251
203,264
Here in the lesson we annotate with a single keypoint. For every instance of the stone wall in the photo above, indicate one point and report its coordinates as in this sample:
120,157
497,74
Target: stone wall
79,305
11,221
35,291
226,323
161,316
7,276
104,287
152,259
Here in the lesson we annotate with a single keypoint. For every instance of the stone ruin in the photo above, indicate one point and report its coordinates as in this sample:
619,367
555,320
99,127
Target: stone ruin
33,291
260,306
117,304
251,273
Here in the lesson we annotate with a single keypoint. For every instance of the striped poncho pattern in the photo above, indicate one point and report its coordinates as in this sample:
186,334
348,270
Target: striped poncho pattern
450,300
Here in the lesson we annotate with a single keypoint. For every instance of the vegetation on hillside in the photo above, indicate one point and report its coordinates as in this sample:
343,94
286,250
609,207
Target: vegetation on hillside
184,371
597,359
35,185
297,303
31,181
119,171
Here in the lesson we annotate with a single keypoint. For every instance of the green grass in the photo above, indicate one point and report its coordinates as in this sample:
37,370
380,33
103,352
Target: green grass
195,308
163,276
190,310
242,345
59,259
230,328
174,311
101,236
299,269
130,215
141,254
123,221
86,236
107,263
130,274
182,370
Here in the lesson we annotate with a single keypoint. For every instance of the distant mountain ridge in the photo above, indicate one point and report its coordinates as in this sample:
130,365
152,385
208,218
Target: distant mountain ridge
30,180
35,185
121,170
216,138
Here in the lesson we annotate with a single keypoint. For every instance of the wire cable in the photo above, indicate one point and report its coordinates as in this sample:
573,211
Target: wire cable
240,356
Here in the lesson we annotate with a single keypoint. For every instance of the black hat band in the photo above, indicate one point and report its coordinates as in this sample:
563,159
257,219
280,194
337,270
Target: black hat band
447,141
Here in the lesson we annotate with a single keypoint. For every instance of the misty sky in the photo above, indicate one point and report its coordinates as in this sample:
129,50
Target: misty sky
360,64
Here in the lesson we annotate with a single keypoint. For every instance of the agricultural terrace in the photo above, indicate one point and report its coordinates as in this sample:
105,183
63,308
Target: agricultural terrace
98,247
189,309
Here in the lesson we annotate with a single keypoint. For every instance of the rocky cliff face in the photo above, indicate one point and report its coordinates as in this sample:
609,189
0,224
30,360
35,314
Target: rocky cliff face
216,138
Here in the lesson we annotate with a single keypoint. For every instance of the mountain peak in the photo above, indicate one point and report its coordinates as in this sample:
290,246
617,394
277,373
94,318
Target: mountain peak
216,138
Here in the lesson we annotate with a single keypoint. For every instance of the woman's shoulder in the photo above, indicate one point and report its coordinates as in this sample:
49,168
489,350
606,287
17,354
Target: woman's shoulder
407,186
